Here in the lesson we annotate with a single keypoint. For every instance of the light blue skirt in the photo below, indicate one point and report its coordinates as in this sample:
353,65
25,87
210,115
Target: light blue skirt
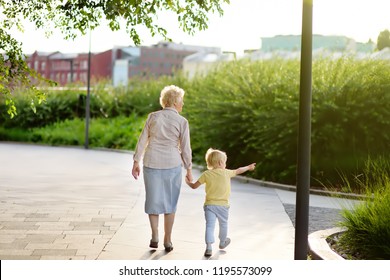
162,189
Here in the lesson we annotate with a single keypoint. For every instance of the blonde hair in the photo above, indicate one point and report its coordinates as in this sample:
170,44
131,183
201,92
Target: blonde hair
214,157
170,95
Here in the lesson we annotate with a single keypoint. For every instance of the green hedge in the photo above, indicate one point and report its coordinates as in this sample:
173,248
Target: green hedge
250,110
240,109
140,97
351,119
115,133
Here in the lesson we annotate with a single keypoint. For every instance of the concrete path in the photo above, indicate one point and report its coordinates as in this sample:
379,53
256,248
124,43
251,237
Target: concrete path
71,203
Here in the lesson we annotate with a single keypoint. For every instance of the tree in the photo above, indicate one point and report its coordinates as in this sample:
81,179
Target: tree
383,40
76,17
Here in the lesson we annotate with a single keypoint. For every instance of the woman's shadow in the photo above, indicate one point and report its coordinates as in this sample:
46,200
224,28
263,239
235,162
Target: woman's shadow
150,255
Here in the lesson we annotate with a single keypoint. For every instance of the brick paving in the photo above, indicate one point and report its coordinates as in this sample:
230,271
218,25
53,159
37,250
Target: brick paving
49,210
56,232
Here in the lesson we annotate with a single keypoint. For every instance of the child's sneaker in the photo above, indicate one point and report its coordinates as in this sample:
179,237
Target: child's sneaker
208,253
224,244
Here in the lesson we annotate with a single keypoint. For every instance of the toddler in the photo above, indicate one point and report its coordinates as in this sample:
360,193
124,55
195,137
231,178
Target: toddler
216,206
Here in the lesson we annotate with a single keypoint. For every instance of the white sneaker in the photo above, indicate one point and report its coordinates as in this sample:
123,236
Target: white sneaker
224,244
208,253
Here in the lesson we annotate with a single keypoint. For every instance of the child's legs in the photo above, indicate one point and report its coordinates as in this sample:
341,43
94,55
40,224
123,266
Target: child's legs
223,218
210,224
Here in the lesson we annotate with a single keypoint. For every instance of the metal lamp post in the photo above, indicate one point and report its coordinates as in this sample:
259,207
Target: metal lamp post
304,135
87,103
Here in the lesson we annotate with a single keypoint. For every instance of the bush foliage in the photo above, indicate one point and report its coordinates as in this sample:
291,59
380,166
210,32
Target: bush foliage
367,224
249,109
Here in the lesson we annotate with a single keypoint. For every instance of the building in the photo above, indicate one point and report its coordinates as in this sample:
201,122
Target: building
68,68
126,64
289,47
292,43
201,63
166,58
59,67
118,64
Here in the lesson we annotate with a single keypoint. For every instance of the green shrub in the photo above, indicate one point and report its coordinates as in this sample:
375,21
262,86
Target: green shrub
367,227
351,120
115,133
59,106
250,110
140,97
15,134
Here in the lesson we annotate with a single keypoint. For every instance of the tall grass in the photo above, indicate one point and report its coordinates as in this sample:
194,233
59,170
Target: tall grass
371,178
367,223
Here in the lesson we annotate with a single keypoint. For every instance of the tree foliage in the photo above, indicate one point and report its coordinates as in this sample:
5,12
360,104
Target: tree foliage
76,17
383,40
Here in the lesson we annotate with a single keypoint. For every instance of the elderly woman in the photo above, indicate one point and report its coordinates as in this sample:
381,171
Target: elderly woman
164,144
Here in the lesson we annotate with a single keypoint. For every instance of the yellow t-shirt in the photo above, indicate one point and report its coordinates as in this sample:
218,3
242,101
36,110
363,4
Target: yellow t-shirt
217,185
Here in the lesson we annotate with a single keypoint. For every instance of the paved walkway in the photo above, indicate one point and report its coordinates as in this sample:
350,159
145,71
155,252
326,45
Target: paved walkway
71,203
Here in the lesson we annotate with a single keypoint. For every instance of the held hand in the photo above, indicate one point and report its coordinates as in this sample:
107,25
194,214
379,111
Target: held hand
189,177
190,184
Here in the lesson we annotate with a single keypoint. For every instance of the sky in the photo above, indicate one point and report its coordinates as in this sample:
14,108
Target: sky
241,27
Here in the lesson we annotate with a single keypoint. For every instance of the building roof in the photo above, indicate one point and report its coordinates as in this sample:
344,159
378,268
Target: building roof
59,55
184,47
131,51
39,53
332,43
382,54
208,57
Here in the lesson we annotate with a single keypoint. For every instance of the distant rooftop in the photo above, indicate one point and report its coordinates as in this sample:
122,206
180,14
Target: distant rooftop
332,43
184,47
59,55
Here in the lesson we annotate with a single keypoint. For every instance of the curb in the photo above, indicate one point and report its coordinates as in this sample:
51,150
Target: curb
319,248
292,188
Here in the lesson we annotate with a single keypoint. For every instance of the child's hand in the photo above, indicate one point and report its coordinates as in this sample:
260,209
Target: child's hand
192,185
252,166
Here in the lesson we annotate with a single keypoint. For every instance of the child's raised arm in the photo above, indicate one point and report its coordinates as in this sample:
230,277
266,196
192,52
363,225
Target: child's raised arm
193,185
243,169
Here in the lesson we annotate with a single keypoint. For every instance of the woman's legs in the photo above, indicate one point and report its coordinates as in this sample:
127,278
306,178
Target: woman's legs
168,225
162,189
153,219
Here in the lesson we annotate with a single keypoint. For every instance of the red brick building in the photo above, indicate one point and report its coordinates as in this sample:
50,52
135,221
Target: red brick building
71,68
117,64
